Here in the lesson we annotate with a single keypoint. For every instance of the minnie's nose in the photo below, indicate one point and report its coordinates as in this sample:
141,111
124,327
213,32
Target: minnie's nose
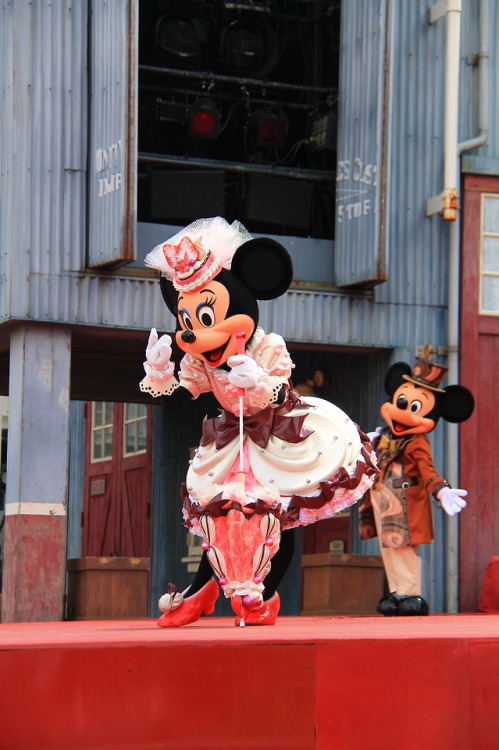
188,337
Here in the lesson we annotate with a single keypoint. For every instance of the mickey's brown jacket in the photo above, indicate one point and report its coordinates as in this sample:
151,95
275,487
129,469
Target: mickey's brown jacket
408,460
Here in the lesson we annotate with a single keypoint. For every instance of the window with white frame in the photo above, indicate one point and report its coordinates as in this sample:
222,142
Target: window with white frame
489,255
134,429
102,431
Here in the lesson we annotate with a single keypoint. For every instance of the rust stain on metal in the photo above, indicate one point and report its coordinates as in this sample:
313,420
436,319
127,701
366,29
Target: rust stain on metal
450,204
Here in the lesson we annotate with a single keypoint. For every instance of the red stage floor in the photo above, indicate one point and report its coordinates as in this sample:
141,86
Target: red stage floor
329,683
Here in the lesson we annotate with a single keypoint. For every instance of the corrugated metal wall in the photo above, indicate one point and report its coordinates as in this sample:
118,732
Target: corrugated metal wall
7,97
360,175
468,121
45,175
113,157
48,185
76,478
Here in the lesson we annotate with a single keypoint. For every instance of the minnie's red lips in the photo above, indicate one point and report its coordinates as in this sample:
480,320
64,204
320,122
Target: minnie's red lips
215,355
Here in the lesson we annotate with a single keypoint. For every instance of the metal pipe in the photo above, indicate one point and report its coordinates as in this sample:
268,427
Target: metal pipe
449,194
235,166
452,452
261,83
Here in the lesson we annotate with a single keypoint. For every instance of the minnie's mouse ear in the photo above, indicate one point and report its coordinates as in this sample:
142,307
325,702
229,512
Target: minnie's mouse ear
264,266
170,295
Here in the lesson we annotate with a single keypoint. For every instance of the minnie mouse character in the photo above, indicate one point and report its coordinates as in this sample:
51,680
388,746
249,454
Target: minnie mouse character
398,507
271,461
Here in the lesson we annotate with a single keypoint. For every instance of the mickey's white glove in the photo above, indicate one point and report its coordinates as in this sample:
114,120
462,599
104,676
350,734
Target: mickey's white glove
452,500
158,354
245,372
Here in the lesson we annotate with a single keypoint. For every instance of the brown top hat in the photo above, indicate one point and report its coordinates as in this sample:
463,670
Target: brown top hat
427,374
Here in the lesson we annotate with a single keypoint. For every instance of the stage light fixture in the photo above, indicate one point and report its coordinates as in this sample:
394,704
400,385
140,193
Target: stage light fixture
246,48
171,112
177,35
269,126
204,119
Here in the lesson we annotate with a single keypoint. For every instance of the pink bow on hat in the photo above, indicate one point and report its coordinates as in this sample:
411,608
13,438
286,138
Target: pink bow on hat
182,257
191,263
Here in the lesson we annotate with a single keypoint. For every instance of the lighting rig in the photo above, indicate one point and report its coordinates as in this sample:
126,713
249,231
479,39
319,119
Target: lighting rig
237,112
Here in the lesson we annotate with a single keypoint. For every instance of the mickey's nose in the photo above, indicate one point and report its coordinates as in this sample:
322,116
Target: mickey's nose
402,402
188,337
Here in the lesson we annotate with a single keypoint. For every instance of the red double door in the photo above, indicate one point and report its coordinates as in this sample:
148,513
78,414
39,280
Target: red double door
117,481
479,371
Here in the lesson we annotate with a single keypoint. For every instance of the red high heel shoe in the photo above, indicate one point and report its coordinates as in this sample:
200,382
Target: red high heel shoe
192,607
264,615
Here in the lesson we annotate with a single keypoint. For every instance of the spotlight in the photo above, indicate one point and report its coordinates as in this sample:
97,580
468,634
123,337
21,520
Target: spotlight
269,126
177,35
247,48
204,120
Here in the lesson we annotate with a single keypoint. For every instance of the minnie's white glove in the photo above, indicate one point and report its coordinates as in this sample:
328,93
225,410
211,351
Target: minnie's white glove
373,435
452,500
158,354
245,372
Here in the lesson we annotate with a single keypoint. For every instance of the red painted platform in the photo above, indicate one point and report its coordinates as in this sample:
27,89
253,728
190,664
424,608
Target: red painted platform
329,683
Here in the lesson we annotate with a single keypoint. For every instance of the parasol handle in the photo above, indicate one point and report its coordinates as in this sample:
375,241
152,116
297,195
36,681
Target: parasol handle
241,347
241,342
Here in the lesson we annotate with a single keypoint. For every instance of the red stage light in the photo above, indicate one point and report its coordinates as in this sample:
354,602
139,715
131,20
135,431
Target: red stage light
270,127
271,132
203,123
204,120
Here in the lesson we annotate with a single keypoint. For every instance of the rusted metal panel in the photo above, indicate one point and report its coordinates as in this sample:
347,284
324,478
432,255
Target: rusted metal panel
43,151
112,158
361,170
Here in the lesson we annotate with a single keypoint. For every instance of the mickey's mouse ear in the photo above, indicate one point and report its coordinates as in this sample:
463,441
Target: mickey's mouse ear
394,376
264,266
457,404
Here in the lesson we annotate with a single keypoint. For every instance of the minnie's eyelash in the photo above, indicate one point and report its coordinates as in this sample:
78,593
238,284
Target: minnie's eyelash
211,301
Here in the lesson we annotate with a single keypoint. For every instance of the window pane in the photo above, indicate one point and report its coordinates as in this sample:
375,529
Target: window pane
97,444
108,441
142,425
98,412
141,410
130,412
130,438
108,412
491,214
490,260
490,294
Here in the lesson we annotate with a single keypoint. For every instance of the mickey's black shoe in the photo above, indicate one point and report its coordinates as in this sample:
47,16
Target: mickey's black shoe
388,606
414,606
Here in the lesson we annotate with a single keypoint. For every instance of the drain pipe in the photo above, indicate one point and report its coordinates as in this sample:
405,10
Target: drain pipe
452,455
483,84
447,202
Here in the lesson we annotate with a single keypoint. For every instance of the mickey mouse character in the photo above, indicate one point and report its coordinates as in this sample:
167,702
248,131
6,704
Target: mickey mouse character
301,460
398,507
